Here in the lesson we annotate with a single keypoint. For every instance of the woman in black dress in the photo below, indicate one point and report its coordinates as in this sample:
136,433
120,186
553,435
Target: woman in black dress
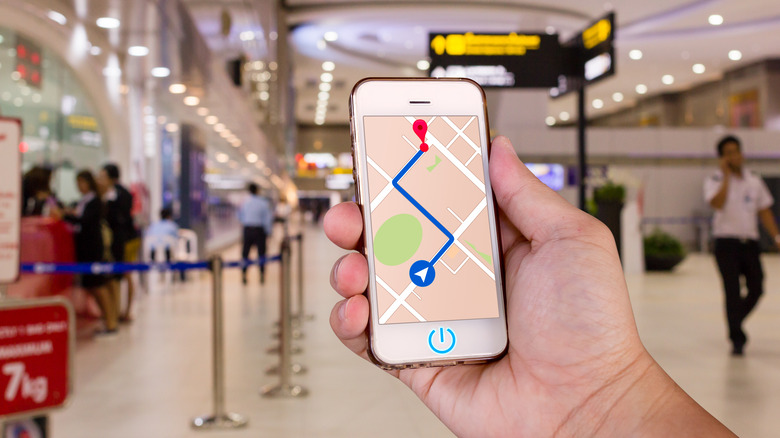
88,216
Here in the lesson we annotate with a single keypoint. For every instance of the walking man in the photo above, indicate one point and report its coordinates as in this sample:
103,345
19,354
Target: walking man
256,216
738,195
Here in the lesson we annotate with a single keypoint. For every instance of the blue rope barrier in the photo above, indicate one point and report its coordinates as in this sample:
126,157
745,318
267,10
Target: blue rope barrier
121,268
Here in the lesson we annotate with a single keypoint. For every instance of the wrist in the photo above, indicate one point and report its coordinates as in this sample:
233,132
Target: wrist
642,401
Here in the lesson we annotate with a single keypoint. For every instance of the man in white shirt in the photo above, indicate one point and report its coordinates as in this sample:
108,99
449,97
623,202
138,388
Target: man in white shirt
738,195
257,216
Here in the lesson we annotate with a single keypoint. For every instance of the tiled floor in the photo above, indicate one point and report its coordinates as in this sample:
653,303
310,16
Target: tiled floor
152,378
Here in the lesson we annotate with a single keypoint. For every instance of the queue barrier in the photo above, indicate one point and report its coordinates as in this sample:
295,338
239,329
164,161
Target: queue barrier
220,418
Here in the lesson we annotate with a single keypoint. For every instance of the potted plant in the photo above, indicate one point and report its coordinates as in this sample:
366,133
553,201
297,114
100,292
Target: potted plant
662,251
609,199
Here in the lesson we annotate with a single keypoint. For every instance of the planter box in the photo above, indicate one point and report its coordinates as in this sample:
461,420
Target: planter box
662,263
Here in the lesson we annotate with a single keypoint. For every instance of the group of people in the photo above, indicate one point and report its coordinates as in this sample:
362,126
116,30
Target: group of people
103,231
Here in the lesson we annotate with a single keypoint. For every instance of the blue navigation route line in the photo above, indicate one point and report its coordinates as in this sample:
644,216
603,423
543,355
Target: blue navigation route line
421,268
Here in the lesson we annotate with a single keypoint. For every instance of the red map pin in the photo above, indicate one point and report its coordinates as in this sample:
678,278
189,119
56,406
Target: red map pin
421,128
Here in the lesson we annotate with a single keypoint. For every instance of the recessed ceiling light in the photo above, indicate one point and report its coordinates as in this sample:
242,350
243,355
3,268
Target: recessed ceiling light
564,116
735,55
251,157
137,50
715,19
177,88
328,66
161,72
246,35
319,122
598,103
171,127
219,127
549,121
107,22
330,36
323,95
617,96
264,95
222,157
57,17
667,79
423,65
236,143
326,77
550,30
699,68
191,101
225,134
635,54
203,111
324,86
211,120
641,88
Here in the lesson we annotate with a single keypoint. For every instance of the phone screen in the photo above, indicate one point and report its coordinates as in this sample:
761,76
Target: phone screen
432,242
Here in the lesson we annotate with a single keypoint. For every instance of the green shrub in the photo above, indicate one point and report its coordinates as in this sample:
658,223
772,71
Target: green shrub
609,192
662,244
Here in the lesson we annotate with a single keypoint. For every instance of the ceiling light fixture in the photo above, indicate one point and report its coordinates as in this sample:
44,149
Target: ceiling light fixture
137,50
598,103
219,127
423,65
617,96
330,36
222,157
635,54
699,68
177,88
324,86
715,19
211,120
251,157
107,22
203,111
326,77
191,101
641,89
667,79
564,116
328,66
735,55
161,72
549,121
323,95
57,17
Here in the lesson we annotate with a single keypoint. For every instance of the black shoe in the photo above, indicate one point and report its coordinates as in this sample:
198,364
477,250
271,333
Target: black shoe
262,278
243,279
738,350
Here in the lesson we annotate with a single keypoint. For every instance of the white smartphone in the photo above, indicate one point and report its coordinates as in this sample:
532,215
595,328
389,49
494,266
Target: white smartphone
436,289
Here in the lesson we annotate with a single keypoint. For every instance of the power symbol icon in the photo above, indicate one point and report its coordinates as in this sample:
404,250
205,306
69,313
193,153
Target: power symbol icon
444,340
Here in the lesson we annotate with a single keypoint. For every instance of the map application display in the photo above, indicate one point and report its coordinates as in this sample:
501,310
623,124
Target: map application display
433,258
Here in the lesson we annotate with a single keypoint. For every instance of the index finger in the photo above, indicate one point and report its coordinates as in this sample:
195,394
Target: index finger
343,225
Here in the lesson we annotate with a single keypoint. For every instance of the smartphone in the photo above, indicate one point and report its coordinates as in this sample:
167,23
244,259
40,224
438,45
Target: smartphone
436,291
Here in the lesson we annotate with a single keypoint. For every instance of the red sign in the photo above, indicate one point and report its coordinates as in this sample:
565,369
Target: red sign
36,348
10,198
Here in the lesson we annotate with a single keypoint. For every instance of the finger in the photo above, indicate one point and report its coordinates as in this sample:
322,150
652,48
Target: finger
349,275
349,319
343,225
537,211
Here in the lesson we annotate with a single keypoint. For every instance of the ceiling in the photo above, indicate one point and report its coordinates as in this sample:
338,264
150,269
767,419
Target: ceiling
382,38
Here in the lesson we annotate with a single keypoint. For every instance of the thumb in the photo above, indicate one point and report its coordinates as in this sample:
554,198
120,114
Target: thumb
535,209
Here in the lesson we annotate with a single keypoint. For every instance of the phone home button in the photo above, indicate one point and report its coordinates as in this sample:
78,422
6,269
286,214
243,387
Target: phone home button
441,341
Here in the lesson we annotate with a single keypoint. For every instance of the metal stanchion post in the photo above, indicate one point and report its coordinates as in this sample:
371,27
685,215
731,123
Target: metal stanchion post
301,316
285,388
219,419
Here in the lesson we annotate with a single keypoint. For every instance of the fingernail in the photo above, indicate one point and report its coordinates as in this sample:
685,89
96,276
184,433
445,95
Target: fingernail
343,310
335,273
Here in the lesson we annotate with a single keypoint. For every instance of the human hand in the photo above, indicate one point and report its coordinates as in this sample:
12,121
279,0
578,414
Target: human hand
575,364
724,166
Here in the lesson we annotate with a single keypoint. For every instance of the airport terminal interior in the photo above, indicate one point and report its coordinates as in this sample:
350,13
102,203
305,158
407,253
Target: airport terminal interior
185,130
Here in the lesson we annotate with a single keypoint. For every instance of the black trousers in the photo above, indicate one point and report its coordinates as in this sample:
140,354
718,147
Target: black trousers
739,258
254,236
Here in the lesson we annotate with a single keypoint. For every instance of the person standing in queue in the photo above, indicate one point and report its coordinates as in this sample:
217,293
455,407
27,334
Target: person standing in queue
738,196
256,216
119,204
89,222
